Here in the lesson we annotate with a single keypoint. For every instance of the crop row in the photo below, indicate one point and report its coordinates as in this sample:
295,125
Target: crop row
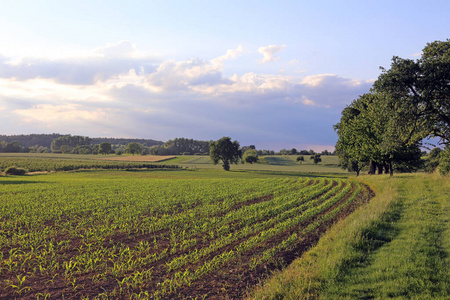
147,237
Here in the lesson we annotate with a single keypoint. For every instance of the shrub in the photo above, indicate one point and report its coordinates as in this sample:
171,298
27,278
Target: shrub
15,171
444,162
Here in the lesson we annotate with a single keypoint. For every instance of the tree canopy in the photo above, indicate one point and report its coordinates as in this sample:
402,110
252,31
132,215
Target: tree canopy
409,102
250,156
226,151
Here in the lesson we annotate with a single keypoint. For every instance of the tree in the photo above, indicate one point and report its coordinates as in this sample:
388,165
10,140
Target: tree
300,159
316,158
226,151
419,95
250,156
13,147
104,148
444,162
133,148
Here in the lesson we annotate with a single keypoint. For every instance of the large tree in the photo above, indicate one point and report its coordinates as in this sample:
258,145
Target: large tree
133,148
419,94
226,151
104,148
408,102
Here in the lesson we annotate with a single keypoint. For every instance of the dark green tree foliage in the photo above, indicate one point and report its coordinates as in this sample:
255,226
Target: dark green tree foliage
82,149
180,146
250,156
316,158
226,151
13,147
409,102
300,159
419,94
70,141
444,162
104,148
133,148
432,160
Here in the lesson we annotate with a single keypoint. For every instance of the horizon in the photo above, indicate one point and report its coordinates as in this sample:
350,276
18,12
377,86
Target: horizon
273,75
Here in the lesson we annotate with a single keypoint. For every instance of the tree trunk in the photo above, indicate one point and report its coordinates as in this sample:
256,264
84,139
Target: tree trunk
391,170
380,169
372,167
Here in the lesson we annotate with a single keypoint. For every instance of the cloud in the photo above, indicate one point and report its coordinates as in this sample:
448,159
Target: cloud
230,55
121,49
109,61
269,52
119,94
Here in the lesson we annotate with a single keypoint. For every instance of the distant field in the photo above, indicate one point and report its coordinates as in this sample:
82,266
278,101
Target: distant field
150,233
60,162
50,161
281,163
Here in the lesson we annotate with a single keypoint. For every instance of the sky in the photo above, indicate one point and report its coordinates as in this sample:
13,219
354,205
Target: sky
274,74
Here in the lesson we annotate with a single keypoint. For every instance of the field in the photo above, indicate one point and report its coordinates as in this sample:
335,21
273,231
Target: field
279,163
159,233
134,230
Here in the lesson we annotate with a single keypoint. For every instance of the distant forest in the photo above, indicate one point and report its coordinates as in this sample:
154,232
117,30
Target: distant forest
59,143
45,140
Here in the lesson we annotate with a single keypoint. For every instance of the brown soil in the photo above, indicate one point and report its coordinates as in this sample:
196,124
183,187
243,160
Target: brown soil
230,281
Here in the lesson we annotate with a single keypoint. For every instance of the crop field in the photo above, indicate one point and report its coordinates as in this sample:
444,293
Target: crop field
58,162
160,234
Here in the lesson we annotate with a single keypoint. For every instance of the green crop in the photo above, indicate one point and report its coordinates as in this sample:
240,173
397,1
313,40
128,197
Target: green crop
150,234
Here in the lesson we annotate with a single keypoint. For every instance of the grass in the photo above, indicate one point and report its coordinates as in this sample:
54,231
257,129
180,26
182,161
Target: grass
276,163
397,246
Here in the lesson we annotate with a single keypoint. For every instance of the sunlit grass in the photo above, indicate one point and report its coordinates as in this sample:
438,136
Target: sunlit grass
395,246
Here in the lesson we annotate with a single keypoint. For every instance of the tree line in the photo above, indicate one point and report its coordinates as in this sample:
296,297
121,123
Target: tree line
408,105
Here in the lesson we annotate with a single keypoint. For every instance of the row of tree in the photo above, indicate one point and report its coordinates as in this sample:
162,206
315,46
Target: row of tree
408,103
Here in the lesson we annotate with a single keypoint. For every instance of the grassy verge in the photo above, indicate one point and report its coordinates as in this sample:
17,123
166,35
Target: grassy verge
398,245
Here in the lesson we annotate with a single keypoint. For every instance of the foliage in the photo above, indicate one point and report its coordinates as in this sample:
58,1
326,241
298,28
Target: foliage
300,159
316,158
15,171
432,160
133,148
82,149
69,142
408,102
419,95
226,151
444,162
104,148
250,156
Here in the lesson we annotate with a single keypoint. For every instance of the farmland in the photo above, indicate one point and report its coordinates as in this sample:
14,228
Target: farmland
159,233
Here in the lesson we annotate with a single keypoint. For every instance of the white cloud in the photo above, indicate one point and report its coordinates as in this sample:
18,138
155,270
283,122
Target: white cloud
269,52
118,50
230,55
126,96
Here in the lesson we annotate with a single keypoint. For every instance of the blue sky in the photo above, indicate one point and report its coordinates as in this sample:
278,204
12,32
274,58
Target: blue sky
275,74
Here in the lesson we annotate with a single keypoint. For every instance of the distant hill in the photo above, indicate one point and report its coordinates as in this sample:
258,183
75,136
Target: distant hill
45,140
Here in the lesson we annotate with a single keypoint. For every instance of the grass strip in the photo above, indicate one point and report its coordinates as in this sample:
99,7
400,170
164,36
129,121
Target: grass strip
395,246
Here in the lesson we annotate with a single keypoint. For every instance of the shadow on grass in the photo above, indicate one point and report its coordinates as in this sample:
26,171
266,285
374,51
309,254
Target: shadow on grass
373,238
